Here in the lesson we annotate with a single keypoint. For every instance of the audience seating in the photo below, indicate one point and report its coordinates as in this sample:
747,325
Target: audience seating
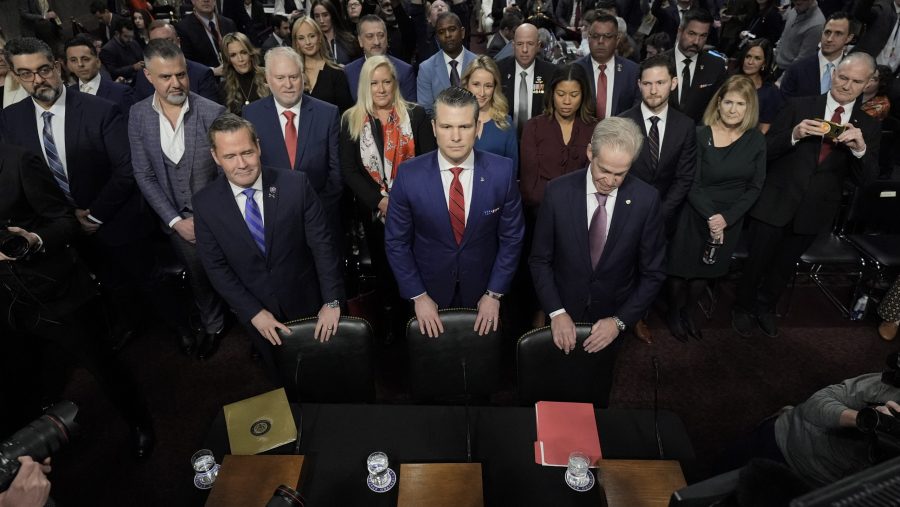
337,371
546,374
875,222
458,364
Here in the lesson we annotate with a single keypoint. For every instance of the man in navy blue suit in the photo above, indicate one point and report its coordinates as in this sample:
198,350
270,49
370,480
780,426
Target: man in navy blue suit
811,75
82,61
85,143
263,238
615,76
454,227
297,131
201,77
373,41
599,244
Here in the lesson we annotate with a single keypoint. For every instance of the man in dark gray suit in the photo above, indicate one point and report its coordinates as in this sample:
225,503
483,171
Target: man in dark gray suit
171,159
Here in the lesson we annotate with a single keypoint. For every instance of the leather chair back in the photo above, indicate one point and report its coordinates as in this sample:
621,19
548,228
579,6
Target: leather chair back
545,373
455,364
337,371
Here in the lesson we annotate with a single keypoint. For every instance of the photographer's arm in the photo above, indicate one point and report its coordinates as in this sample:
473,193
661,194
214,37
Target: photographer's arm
55,224
30,488
836,405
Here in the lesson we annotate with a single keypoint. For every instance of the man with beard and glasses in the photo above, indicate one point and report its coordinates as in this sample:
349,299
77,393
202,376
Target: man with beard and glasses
700,73
172,161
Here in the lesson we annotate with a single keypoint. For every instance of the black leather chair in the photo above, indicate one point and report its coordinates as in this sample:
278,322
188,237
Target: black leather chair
830,250
545,373
337,371
457,364
875,220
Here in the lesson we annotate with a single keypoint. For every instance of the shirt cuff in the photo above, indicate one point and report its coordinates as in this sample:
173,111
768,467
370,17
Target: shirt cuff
39,246
174,221
557,312
793,141
858,154
92,218
417,297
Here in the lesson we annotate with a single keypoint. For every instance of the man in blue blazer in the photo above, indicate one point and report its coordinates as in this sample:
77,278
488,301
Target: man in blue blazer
620,75
811,75
83,62
373,41
454,226
599,245
446,67
171,160
263,239
85,143
203,81
297,131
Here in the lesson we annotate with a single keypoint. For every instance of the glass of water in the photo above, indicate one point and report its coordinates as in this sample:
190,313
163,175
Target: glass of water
205,468
377,464
578,470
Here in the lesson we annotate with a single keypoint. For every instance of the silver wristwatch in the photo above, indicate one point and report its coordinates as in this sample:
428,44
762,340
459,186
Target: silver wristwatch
619,324
334,304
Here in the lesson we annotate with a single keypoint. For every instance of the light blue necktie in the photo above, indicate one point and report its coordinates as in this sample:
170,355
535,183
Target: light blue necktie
56,167
826,78
254,221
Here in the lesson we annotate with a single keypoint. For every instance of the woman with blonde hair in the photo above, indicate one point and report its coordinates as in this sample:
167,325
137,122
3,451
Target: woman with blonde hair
323,78
377,135
497,135
244,79
731,169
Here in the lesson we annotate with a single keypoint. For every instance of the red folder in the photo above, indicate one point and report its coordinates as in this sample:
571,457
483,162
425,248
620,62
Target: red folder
563,428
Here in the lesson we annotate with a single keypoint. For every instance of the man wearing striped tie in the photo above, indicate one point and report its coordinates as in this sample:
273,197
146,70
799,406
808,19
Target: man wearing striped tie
454,226
264,241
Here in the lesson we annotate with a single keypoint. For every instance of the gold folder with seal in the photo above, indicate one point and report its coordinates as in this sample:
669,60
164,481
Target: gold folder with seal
260,423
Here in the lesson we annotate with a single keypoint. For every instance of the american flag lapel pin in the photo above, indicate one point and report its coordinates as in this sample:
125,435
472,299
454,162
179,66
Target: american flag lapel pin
482,179
619,68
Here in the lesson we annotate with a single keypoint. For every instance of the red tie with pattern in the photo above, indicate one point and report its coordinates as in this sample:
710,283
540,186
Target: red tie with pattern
457,206
828,144
290,137
601,92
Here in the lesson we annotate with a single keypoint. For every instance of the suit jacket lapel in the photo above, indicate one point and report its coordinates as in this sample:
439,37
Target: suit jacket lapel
279,153
191,130
480,183
305,126
270,206
72,127
618,84
579,219
620,216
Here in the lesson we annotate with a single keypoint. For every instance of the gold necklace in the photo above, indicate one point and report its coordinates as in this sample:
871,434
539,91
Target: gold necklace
246,95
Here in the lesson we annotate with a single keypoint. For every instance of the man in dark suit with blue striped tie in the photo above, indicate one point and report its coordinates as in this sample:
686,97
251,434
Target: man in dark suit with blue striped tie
264,241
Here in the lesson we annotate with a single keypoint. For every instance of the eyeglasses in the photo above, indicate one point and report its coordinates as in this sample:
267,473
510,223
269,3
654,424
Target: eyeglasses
28,76
607,36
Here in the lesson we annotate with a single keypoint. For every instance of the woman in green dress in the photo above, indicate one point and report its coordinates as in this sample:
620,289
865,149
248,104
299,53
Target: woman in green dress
731,168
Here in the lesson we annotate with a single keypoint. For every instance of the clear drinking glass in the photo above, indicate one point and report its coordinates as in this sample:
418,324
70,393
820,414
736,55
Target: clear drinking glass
205,468
377,464
578,470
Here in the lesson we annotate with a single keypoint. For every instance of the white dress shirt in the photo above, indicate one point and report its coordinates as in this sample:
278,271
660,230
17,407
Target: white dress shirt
459,64
529,84
592,205
646,113
823,63
610,82
282,119
890,54
830,106
679,68
465,178
242,199
91,86
171,139
57,127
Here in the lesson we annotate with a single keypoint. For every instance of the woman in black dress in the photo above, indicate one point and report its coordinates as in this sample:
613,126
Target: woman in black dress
755,61
324,79
244,80
731,168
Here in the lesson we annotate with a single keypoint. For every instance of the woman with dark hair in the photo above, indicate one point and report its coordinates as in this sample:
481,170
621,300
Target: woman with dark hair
875,100
497,134
142,20
555,143
656,44
755,61
731,169
338,41
244,80
324,79
767,24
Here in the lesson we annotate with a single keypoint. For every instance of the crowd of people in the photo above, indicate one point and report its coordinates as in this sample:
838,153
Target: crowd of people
598,157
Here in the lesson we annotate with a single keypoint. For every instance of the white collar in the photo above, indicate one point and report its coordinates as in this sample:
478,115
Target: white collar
609,63
281,109
646,113
458,59
529,70
824,61
445,165
831,104
679,56
257,185
184,107
94,83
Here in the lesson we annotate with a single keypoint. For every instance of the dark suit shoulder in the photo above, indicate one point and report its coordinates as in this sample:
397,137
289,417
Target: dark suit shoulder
635,113
318,104
495,162
205,107
676,117
635,186
207,196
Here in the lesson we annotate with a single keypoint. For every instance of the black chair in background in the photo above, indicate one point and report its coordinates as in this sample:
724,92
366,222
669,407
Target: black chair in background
875,222
337,371
545,373
458,364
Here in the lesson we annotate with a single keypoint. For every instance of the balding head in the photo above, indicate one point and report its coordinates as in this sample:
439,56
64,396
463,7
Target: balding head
526,44
164,30
851,76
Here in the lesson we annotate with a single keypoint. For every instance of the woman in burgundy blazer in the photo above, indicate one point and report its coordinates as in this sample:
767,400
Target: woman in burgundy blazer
556,142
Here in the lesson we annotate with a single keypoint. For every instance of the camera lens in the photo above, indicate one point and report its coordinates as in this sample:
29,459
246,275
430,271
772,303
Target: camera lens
14,246
286,497
40,440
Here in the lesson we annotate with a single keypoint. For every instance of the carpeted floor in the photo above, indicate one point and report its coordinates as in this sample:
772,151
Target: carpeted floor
720,387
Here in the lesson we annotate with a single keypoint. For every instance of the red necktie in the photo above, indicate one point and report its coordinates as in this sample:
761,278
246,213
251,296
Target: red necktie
828,144
290,137
601,92
457,206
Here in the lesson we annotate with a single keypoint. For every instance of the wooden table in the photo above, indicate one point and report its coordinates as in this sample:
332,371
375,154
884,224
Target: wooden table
440,485
251,480
639,483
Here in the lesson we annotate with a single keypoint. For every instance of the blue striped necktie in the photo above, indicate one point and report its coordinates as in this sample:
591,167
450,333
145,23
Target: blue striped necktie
56,167
254,220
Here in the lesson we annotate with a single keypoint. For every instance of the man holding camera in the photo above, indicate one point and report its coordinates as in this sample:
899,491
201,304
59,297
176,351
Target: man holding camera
808,161
30,488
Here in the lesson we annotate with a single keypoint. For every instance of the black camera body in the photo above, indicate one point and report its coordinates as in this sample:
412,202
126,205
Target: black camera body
286,496
42,438
13,245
